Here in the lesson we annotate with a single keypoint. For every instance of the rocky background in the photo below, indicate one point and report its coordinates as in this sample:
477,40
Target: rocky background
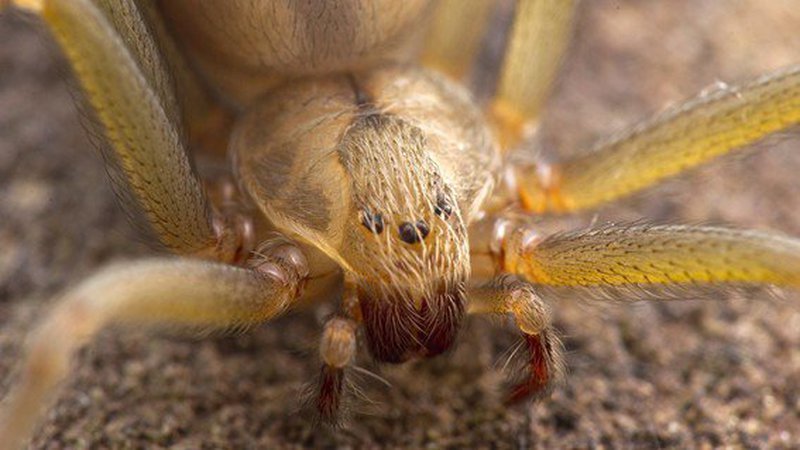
680,375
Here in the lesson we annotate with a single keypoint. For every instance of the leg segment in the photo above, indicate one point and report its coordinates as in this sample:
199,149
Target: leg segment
542,366
207,122
706,127
455,35
538,42
337,350
129,88
651,256
194,294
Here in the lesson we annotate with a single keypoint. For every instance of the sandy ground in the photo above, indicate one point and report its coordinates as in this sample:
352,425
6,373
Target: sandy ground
679,375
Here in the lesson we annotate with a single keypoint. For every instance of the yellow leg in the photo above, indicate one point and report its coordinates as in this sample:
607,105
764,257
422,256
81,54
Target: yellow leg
206,121
455,35
191,294
129,88
648,256
704,128
539,39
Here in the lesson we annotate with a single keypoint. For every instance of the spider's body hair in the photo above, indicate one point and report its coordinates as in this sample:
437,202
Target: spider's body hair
393,146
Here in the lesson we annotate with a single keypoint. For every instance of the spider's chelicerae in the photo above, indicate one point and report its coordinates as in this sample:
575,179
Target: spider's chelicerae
358,174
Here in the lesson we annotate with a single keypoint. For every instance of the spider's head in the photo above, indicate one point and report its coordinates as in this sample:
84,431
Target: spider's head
405,241
383,180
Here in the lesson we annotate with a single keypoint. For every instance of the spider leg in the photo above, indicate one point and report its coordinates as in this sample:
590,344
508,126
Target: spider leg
710,125
130,89
337,350
539,39
192,294
665,259
455,35
207,122
542,365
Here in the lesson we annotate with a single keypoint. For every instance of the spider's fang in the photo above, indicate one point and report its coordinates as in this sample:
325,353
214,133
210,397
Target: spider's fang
396,331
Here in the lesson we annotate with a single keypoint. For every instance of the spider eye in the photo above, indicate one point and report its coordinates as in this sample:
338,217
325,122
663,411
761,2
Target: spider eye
373,222
442,208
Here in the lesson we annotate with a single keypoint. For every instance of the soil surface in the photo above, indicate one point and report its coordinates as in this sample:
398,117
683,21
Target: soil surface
696,374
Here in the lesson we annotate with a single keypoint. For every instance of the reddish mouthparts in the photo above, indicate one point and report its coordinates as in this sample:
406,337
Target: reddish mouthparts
397,331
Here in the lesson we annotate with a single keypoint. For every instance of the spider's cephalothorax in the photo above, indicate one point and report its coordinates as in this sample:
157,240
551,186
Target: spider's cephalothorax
409,172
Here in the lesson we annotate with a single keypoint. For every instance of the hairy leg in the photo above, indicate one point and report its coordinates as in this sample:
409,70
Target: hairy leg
197,295
207,122
539,39
454,38
616,263
125,79
542,366
710,125
673,257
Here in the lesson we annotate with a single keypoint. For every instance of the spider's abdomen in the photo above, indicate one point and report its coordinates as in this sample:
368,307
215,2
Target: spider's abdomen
246,46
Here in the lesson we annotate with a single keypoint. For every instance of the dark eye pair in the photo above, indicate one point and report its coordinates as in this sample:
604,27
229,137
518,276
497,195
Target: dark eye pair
373,222
442,208
410,233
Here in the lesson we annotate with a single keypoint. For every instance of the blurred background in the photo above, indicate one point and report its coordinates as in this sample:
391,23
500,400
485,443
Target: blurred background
687,374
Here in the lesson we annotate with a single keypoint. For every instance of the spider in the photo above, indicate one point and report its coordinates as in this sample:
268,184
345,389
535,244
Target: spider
360,172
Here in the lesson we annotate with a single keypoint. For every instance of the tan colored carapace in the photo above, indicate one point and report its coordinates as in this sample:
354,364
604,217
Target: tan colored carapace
364,171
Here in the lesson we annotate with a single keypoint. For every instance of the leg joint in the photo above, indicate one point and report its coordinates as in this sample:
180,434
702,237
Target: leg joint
338,343
282,261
